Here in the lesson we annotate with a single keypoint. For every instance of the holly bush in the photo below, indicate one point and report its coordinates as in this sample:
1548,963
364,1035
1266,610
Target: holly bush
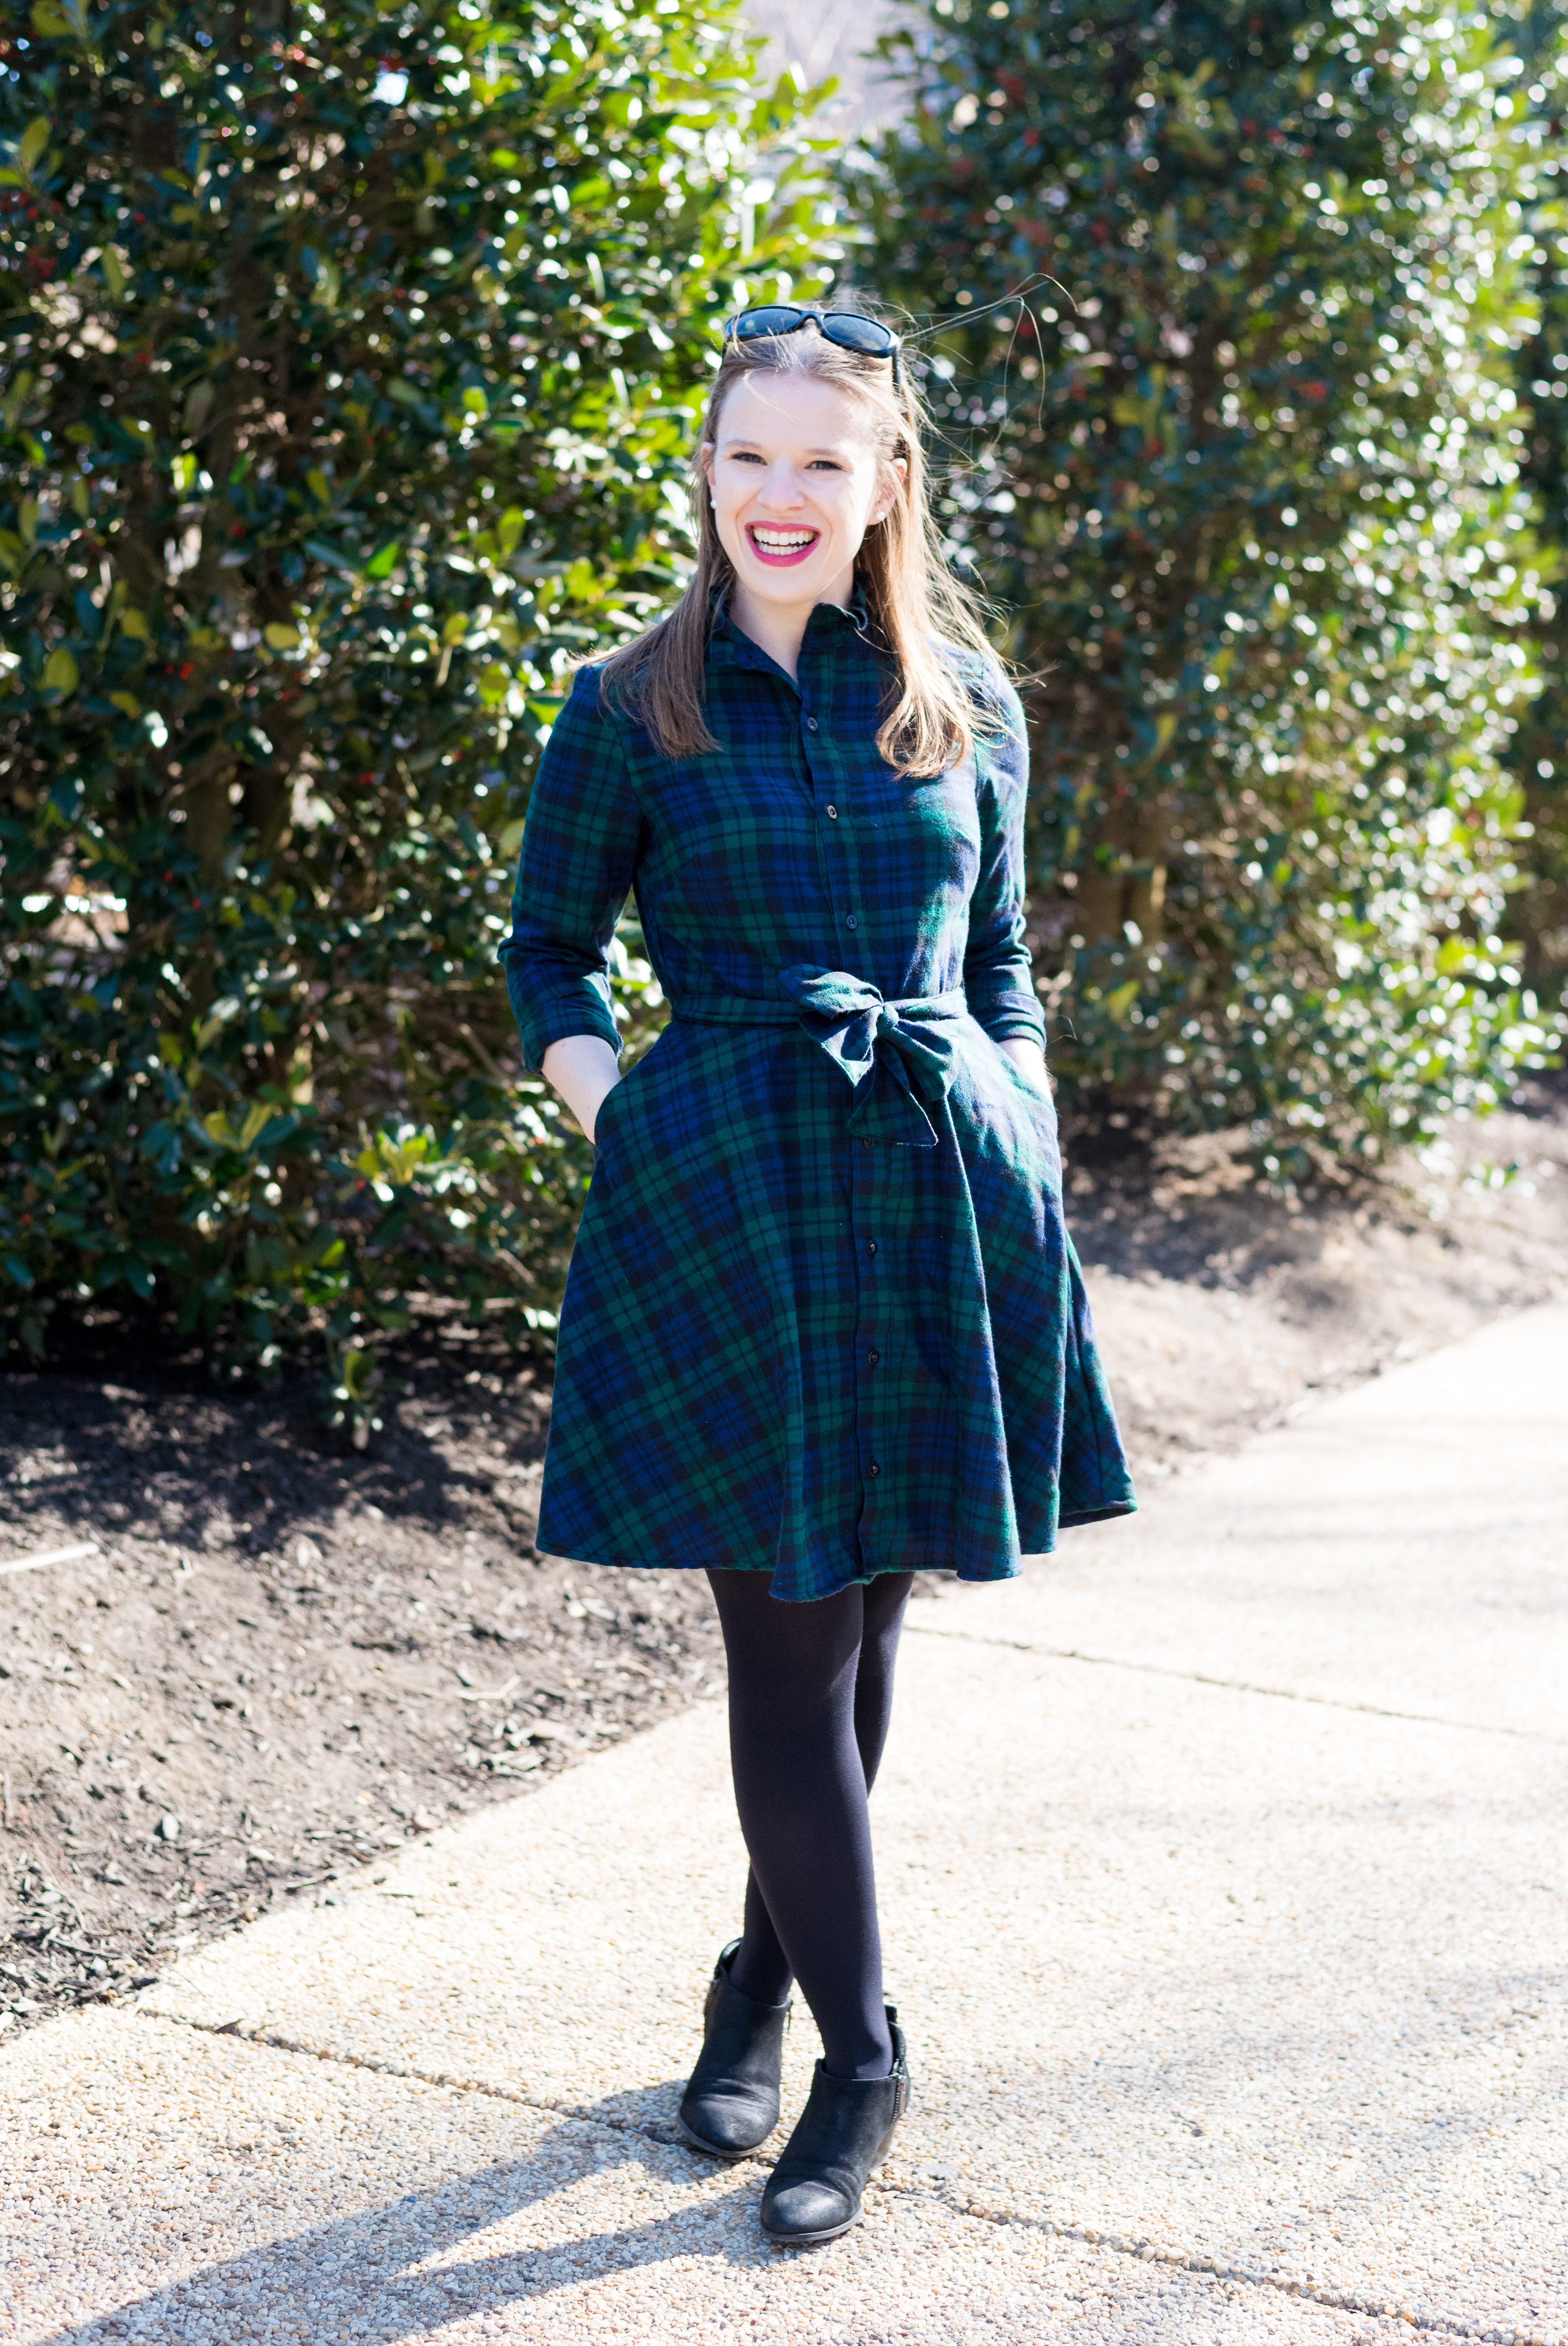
1535,102
1234,391
350,356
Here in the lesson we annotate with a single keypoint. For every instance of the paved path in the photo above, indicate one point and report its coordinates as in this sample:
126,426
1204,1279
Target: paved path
1223,1867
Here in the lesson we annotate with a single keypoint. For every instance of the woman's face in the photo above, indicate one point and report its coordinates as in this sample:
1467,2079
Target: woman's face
796,483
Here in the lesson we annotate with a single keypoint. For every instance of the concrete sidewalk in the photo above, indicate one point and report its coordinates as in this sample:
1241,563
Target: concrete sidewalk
1222,1867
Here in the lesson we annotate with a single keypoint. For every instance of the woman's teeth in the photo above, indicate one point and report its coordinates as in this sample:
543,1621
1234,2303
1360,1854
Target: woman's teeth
783,541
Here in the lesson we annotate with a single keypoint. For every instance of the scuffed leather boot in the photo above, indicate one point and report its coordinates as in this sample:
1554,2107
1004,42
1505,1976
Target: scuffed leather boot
731,2101
842,2137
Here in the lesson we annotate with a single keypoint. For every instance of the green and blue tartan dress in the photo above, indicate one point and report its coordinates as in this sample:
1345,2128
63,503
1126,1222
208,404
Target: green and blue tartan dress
823,1319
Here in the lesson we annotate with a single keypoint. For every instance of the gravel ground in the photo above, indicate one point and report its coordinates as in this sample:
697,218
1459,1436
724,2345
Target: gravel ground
297,2201
279,1659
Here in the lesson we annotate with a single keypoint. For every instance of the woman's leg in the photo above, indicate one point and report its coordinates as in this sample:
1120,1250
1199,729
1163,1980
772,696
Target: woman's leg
760,1966
810,1692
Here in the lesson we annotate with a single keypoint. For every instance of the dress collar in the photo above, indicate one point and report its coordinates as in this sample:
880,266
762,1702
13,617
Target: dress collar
729,647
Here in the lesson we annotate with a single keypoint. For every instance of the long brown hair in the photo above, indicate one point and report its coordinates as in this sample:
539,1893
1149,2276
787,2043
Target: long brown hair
918,610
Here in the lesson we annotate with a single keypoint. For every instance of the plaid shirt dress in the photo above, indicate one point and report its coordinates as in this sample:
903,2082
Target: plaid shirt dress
823,1319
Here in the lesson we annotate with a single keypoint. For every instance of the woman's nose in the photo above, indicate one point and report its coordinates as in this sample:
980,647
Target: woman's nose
781,490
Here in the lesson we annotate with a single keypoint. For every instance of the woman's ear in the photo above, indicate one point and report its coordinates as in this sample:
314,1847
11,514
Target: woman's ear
705,460
888,495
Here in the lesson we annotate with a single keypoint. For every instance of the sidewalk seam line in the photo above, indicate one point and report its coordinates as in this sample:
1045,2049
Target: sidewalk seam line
1229,1686
1203,2269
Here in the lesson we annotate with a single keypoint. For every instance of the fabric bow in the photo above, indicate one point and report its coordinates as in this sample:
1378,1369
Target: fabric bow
897,1055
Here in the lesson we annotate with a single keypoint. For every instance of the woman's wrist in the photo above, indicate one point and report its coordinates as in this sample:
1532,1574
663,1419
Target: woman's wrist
581,1070
1028,1056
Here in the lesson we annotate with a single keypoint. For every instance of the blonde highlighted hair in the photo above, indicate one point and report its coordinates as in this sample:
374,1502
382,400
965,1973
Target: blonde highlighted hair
920,613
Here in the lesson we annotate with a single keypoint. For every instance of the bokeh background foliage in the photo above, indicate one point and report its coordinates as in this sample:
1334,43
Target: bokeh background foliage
1251,507
350,361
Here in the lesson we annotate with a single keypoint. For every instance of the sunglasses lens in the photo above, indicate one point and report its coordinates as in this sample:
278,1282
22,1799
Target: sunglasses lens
777,319
853,332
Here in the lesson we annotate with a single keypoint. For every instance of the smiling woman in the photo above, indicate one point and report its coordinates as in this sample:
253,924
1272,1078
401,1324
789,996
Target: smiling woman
824,1327
795,415
793,486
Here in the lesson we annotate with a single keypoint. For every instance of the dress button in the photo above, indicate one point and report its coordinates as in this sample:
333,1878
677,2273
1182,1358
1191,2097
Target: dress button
870,1245
873,1468
811,725
852,922
873,1358
832,814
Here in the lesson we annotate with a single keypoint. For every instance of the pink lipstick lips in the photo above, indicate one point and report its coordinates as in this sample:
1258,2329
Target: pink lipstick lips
779,545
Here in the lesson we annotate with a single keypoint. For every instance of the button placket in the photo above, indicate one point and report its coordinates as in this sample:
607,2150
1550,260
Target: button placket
826,769
870,1357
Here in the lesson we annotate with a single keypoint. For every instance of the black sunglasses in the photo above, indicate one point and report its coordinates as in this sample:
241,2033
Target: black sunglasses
847,328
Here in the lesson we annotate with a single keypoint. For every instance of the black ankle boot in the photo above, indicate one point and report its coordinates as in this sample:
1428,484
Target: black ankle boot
842,2136
731,2100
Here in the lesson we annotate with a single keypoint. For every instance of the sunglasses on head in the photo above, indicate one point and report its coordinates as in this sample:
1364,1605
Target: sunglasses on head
846,328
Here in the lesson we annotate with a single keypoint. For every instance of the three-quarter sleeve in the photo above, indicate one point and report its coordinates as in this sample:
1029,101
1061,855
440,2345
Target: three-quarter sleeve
581,845
997,976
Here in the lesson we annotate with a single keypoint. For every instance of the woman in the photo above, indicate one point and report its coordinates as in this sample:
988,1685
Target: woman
824,1327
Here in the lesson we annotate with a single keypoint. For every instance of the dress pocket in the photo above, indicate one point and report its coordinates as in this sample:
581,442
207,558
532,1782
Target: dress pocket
610,1110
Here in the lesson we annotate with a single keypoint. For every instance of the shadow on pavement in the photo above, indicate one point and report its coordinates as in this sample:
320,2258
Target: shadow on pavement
381,2259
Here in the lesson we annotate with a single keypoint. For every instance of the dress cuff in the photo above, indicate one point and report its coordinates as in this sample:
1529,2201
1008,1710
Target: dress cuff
583,1011
1012,1014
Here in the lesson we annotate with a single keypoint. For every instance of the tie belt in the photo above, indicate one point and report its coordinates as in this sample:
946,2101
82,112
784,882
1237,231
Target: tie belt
899,1055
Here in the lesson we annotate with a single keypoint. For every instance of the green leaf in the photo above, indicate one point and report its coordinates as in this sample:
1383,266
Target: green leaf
61,675
383,563
33,141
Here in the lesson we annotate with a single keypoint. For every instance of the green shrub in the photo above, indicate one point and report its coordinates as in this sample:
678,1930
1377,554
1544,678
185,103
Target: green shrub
1539,751
348,360
1244,487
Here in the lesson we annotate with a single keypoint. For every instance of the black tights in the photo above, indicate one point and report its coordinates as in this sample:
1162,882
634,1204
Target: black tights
811,1694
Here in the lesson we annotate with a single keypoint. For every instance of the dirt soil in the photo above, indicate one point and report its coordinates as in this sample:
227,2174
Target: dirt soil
272,1661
